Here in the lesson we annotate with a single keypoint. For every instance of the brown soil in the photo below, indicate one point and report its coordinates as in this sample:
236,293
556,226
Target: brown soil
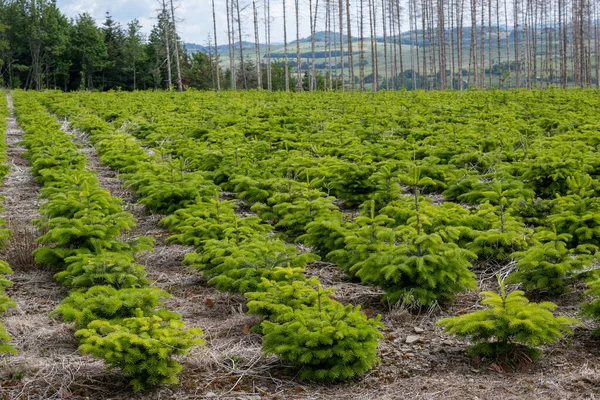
231,364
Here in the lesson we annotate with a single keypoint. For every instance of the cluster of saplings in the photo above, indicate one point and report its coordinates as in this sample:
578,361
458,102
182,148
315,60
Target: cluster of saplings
118,316
5,270
540,211
303,324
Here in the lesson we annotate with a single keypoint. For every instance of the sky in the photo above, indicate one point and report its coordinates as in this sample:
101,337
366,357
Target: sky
195,17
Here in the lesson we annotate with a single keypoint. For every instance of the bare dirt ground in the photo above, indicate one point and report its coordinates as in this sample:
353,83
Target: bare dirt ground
417,361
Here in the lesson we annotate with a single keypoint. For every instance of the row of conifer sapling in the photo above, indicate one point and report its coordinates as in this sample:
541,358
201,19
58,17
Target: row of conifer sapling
308,215
119,317
303,324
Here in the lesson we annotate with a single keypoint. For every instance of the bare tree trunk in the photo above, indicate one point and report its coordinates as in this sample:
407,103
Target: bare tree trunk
167,45
482,44
176,49
516,43
341,16
460,39
507,44
298,55
490,61
313,29
328,32
216,48
588,49
372,18
596,46
257,44
267,12
242,66
528,43
500,79
473,50
416,42
453,31
285,51
398,15
424,40
211,62
334,19
442,41
361,50
393,43
384,11
535,42
231,43
350,55
432,42
563,44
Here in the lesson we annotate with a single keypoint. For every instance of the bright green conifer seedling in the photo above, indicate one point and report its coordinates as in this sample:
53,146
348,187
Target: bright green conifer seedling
549,263
141,346
327,341
511,325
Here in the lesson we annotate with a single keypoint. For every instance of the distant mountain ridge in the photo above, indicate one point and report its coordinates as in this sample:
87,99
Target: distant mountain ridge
334,37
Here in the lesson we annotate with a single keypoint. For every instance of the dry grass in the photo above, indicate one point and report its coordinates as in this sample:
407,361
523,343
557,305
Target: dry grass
19,248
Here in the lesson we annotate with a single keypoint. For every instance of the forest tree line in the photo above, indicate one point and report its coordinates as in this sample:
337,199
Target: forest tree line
40,48
363,45
432,44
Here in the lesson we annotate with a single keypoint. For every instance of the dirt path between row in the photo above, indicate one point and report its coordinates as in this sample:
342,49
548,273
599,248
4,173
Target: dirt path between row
231,349
48,364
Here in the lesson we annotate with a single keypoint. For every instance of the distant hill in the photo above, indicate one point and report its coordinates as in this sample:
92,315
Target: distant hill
323,49
223,48
334,37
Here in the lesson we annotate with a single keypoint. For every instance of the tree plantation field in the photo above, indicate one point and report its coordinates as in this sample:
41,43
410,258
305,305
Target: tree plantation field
246,245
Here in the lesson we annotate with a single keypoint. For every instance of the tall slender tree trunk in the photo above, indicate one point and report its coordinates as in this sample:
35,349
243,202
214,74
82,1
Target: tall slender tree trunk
426,44
393,42
218,77
335,47
350,55
372,18
399,17
596,46
313,30
230,36
473,50
328,31
385,11
460,39
298,55
376,46
267,13
257,45
414,60
482,43
285,51
176,49
442,42
361,48
527,30
500,78
341,17
242,66
167,44
516,43
489,36
507,43
211,62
